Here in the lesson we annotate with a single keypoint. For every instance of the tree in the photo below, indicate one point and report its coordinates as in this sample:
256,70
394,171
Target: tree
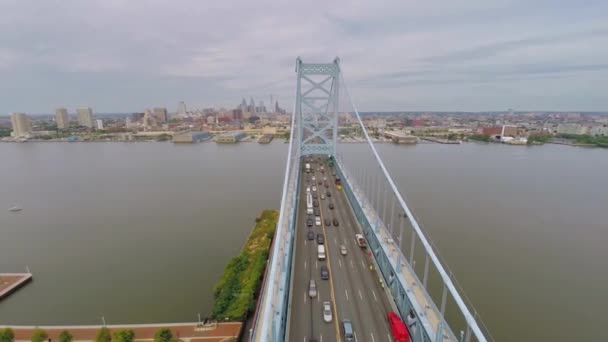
7,335
125,335
103,335
39,335
65,336
163,335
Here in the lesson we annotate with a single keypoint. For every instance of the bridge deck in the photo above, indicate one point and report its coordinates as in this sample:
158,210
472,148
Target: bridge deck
353,289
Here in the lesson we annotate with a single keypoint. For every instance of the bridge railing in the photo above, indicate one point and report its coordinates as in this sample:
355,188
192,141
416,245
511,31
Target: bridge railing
383,204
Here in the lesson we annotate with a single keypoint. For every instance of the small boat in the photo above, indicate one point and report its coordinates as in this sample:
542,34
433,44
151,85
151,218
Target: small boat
15,208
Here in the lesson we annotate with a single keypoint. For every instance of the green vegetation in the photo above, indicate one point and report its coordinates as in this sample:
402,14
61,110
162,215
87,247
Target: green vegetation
5,132
586,139
65,336
103,335
539,138
39,335
124,335
163,137
163,335
236,291
287,135
480,137
7,335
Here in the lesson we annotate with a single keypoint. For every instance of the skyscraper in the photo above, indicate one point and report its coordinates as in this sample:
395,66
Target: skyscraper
21,124
244,105
85,117
181,109
160,113
271,104
62,118
251,106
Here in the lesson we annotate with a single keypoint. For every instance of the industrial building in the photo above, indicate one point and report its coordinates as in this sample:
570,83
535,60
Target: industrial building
191,137
231,137
399,138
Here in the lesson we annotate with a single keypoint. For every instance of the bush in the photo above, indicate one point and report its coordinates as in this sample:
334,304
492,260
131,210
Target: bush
103,335
163,335
7,335
65,336
125,335
39,335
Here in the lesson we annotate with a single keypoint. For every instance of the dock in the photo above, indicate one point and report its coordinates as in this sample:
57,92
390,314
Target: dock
187,332
10,282
441,141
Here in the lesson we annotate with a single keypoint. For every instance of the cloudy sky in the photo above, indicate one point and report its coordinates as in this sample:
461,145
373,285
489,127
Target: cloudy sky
124,56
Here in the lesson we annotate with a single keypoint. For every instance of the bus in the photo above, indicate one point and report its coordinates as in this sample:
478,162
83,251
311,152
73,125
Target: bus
307,168
309,209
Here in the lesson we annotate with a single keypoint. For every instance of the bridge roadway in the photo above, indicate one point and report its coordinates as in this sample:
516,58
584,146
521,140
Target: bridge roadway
353,289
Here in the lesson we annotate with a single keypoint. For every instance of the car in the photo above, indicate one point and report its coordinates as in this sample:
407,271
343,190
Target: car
327,222
322,196
328,194
320,239
314,188
331,206
343,249
313,178
312,288
314,195
327,315
310,235
336,223
325,179
317,221
326,184
333,174
320,182
309,222
315,203
317,212
347,330
324,272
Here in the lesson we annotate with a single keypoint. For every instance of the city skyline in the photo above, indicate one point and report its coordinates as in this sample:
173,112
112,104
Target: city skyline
464,56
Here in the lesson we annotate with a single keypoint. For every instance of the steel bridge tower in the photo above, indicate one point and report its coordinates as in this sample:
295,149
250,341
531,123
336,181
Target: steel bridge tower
317,105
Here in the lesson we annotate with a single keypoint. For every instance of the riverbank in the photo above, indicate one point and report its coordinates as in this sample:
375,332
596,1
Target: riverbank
237,290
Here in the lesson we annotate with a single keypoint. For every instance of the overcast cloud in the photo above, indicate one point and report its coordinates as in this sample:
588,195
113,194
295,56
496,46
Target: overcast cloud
124,56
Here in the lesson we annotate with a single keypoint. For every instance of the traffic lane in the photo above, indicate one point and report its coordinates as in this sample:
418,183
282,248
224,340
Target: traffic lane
373,294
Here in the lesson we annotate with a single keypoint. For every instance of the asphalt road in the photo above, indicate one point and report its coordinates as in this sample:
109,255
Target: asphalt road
353,289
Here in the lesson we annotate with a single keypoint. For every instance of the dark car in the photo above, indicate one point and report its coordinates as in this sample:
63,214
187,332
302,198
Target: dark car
327,222
331,206
317,211
314,195
309,222
328,194
336,223
326,184
310,235
320,239
315,203
320,182
324,272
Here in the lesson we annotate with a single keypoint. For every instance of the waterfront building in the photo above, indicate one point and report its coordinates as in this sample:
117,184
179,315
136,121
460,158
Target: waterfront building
599,130
21,125
62,118
160,113
191,136
266,138
99,124
231,137
85,116
571,129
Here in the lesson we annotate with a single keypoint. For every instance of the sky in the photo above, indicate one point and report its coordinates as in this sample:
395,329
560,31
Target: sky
457,55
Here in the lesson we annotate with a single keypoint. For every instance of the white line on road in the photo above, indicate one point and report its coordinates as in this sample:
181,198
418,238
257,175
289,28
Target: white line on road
354,332
390,339
352,265
360,296
335,241
372,335
321,338
304,338
304,242
304,264
375,298
363,264
316,264
304,297
340,263
346,291
318,298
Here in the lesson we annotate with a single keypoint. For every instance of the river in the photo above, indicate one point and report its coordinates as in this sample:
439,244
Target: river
140,232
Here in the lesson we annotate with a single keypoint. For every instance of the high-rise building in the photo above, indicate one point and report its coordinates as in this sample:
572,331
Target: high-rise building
99,124
21,124
251,106
62,118
149,119
85,116
181,109
271,103
160,113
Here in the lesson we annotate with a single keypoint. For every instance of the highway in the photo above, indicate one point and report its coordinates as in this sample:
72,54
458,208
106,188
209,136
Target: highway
353,289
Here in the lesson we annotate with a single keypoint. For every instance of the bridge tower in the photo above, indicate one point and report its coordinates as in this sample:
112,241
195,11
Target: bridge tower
317,106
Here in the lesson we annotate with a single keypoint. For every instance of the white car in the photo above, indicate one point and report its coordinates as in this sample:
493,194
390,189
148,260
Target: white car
314,188
324,178
343,250
313,178
312,289
327,316
322,196
317,221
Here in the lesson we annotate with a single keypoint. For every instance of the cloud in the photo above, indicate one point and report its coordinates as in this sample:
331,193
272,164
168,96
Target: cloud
396,55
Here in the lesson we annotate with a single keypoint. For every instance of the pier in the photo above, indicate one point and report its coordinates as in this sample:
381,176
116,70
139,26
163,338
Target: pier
10,282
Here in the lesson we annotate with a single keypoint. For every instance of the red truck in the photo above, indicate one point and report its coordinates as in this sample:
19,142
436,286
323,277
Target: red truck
398,328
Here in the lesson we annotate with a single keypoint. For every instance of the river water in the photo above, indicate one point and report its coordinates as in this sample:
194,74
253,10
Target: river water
140,232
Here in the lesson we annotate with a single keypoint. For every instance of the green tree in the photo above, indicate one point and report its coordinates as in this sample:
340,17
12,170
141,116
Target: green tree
163,335
7,335
39,335
103,335
480,137
125,335
65,336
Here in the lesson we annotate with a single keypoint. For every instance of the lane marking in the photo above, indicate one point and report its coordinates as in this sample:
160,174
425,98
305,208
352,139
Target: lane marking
372,335
363,264
335,241
390,339
321,338
360,296
354,332
340,263
304,297
304,264
318,298
374,293
346,291
352,265
316,264
305,242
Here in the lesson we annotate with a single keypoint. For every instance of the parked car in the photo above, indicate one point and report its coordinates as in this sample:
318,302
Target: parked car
324,272
320,239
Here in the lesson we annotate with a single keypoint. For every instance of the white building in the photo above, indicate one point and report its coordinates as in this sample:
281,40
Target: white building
85,116
62,118
99,124
599,130
21,125
571,129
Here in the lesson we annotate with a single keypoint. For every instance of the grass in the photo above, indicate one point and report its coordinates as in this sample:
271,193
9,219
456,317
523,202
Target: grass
237,289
